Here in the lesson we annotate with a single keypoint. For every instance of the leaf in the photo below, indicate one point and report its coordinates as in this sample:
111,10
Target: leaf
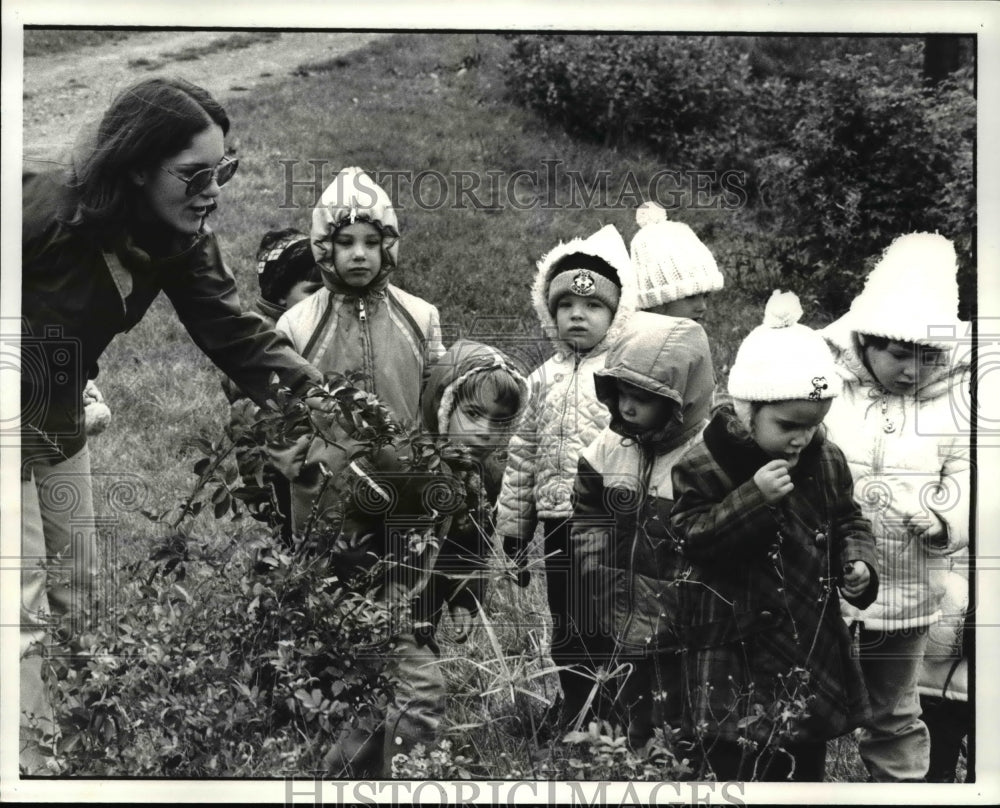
202,465
223,505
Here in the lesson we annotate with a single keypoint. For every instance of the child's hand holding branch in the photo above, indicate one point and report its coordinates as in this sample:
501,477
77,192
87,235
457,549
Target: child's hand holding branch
774,480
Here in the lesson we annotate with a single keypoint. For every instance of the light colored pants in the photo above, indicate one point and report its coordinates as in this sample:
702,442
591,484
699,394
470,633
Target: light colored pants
58,566
895,746
413,715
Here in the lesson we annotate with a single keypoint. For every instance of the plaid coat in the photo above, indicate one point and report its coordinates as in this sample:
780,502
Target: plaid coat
768,656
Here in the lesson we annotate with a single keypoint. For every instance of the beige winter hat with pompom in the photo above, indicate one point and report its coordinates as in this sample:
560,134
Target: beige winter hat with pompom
782,359
912,293
670,261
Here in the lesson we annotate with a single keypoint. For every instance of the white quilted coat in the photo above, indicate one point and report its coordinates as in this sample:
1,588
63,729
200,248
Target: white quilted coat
563,414
908,455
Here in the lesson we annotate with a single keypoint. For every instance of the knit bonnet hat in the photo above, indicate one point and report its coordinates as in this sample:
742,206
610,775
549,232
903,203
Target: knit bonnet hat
586,274
283,259
912,293
782,360
670,261
462,362
352,197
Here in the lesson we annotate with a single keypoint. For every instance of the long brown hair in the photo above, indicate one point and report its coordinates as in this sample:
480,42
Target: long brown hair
146,124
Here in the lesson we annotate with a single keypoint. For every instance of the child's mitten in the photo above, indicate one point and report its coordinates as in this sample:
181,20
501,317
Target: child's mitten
96,414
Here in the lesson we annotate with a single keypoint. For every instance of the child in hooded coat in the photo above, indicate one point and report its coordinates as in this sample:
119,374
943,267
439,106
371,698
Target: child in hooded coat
359,321
563,416
472,397
905,432
765,512
657,384
473,394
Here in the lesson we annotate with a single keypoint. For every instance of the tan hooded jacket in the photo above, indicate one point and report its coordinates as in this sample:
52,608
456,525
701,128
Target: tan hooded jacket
389,335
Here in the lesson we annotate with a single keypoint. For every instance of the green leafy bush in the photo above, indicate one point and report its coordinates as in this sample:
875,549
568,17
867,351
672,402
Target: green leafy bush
873,154
841,155
237,660
602,753
680,95
287,652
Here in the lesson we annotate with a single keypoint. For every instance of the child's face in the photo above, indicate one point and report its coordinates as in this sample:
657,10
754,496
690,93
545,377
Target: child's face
640,409
357,253
300,291
784,428
693,307
582,321
479,425
896,366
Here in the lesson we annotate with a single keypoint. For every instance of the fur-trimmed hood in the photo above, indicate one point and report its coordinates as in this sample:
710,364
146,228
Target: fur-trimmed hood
606,244
669,357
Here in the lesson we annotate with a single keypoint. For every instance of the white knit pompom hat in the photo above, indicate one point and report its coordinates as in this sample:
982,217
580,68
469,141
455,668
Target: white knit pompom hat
781,359
670,261
912,293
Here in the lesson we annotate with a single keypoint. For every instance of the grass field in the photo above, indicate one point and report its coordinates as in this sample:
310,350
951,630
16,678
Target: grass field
59,40
412,103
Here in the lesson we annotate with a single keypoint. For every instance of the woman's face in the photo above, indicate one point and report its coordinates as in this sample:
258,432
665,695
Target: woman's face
166,194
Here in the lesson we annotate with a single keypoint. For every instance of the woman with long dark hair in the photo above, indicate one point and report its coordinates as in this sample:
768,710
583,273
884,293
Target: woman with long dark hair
100,242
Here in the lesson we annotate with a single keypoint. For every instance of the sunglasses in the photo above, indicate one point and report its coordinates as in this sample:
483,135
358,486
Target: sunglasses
200,180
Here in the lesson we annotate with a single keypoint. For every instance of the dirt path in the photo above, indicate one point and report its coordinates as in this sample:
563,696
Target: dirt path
64,91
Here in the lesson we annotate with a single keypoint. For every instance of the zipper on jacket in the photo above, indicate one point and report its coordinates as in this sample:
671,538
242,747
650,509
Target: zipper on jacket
366,344
562,415
878,445
643,479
